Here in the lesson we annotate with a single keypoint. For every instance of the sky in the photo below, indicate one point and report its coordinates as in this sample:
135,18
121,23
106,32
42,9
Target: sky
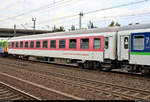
65,13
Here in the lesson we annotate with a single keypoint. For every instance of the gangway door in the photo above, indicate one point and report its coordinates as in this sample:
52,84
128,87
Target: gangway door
124,47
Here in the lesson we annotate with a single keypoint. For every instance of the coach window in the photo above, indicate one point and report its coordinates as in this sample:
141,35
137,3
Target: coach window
138,42
72,43
38,44
12,44
53,44
21,44
45,44
106,42
9,44
16,44
62,43
126,43
32,44
97,43
26,44
84,43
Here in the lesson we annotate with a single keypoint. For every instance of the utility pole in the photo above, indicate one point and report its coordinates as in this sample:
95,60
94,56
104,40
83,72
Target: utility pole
34,19
14,30
80,20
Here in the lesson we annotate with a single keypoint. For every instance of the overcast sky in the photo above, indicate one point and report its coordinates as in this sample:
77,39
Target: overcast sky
53,12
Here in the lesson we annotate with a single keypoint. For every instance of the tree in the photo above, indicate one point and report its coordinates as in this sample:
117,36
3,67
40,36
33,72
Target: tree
112,24
117,24
60,29
73,27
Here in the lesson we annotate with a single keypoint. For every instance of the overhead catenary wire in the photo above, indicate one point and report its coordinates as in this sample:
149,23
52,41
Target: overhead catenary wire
118,6
38,9
89,12
98,10
102,19
120,16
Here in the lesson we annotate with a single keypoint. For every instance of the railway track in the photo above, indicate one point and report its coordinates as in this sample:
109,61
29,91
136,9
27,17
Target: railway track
120,74
107,89
8,92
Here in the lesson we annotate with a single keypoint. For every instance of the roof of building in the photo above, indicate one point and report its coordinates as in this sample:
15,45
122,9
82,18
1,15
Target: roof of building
7,32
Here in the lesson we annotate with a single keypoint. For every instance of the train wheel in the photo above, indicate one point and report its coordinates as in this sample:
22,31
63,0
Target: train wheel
85,65
144,71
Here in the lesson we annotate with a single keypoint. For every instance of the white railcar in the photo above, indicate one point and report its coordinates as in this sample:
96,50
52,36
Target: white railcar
95,45
111,47
133,47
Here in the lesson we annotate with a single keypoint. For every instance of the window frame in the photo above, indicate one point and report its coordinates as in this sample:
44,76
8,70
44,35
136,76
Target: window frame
17,44
26,44
13,44
81,44
39,44
62,46
33,44
53,46
46,44
21,44
70,45
143,43
95,45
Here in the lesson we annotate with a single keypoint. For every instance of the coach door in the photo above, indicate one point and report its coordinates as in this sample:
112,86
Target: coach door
107,47
124,47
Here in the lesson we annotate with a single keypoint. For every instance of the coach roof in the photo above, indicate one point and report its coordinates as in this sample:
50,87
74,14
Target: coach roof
135,27
90,31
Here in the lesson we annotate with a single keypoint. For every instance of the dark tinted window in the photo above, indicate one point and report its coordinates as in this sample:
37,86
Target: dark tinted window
38,44
32,44
72,43
97,43
26,44
106,42
53,44
17,44
12,44
9,44
62,43
45,44
126,42
21,44
84,43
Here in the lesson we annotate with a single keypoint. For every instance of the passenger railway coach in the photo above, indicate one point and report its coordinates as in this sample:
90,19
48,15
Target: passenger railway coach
104,48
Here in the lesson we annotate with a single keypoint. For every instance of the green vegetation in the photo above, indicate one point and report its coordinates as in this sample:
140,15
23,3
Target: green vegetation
60,29
114,24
